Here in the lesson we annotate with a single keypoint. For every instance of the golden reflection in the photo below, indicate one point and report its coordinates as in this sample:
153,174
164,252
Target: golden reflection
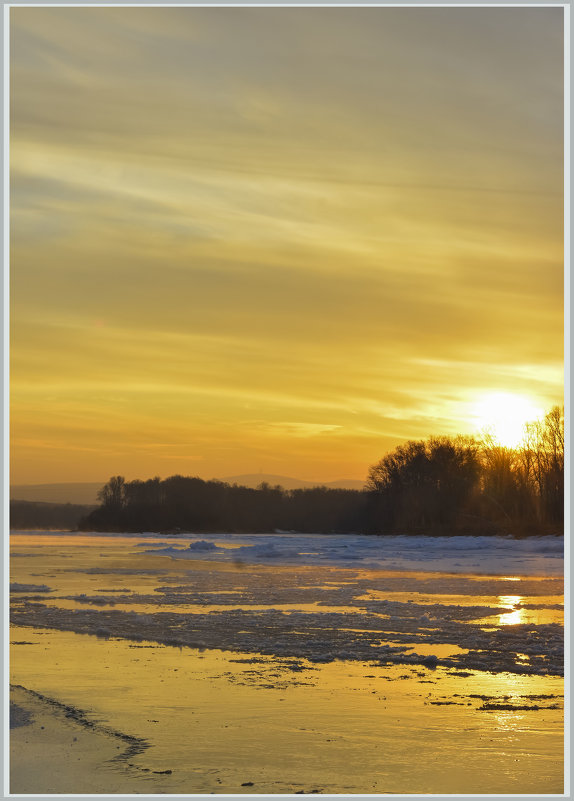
509,600
508,720
513,617
522,658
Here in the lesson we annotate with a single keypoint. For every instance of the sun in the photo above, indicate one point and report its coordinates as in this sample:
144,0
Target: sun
504,415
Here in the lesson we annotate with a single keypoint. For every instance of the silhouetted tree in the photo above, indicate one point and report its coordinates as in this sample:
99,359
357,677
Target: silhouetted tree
542,457
423,486
111,494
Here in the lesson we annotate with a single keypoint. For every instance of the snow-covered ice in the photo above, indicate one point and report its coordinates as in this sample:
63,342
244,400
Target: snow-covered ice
532,556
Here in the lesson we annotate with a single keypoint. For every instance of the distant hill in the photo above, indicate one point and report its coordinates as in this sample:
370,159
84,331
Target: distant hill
85,493
346,483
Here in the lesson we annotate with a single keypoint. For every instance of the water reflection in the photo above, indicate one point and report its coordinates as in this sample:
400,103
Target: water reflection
513,617
509,600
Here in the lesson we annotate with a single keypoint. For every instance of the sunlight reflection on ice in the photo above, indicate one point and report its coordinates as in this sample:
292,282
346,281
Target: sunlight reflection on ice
513,617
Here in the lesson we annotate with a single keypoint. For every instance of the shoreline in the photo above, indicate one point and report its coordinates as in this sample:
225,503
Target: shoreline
56,748
226,752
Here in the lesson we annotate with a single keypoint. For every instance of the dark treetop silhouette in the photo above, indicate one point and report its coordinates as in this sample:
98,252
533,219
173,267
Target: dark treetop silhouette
442,485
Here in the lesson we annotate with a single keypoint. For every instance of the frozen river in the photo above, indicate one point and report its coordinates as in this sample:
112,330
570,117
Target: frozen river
286,663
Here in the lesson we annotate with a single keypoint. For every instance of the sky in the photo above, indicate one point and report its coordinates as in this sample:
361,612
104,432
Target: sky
278,240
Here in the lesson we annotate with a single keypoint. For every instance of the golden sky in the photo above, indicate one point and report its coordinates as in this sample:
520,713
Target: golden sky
278,239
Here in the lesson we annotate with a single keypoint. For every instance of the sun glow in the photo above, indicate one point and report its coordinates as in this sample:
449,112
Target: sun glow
504,416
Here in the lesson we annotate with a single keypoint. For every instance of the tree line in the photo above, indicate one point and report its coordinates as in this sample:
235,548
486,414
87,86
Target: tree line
442,485
473,485
181,503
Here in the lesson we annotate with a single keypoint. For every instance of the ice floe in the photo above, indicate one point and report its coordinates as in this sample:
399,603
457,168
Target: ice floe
15,587
466,603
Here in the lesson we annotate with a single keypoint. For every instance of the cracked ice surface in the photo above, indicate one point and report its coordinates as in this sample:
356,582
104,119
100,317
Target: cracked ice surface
494,607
